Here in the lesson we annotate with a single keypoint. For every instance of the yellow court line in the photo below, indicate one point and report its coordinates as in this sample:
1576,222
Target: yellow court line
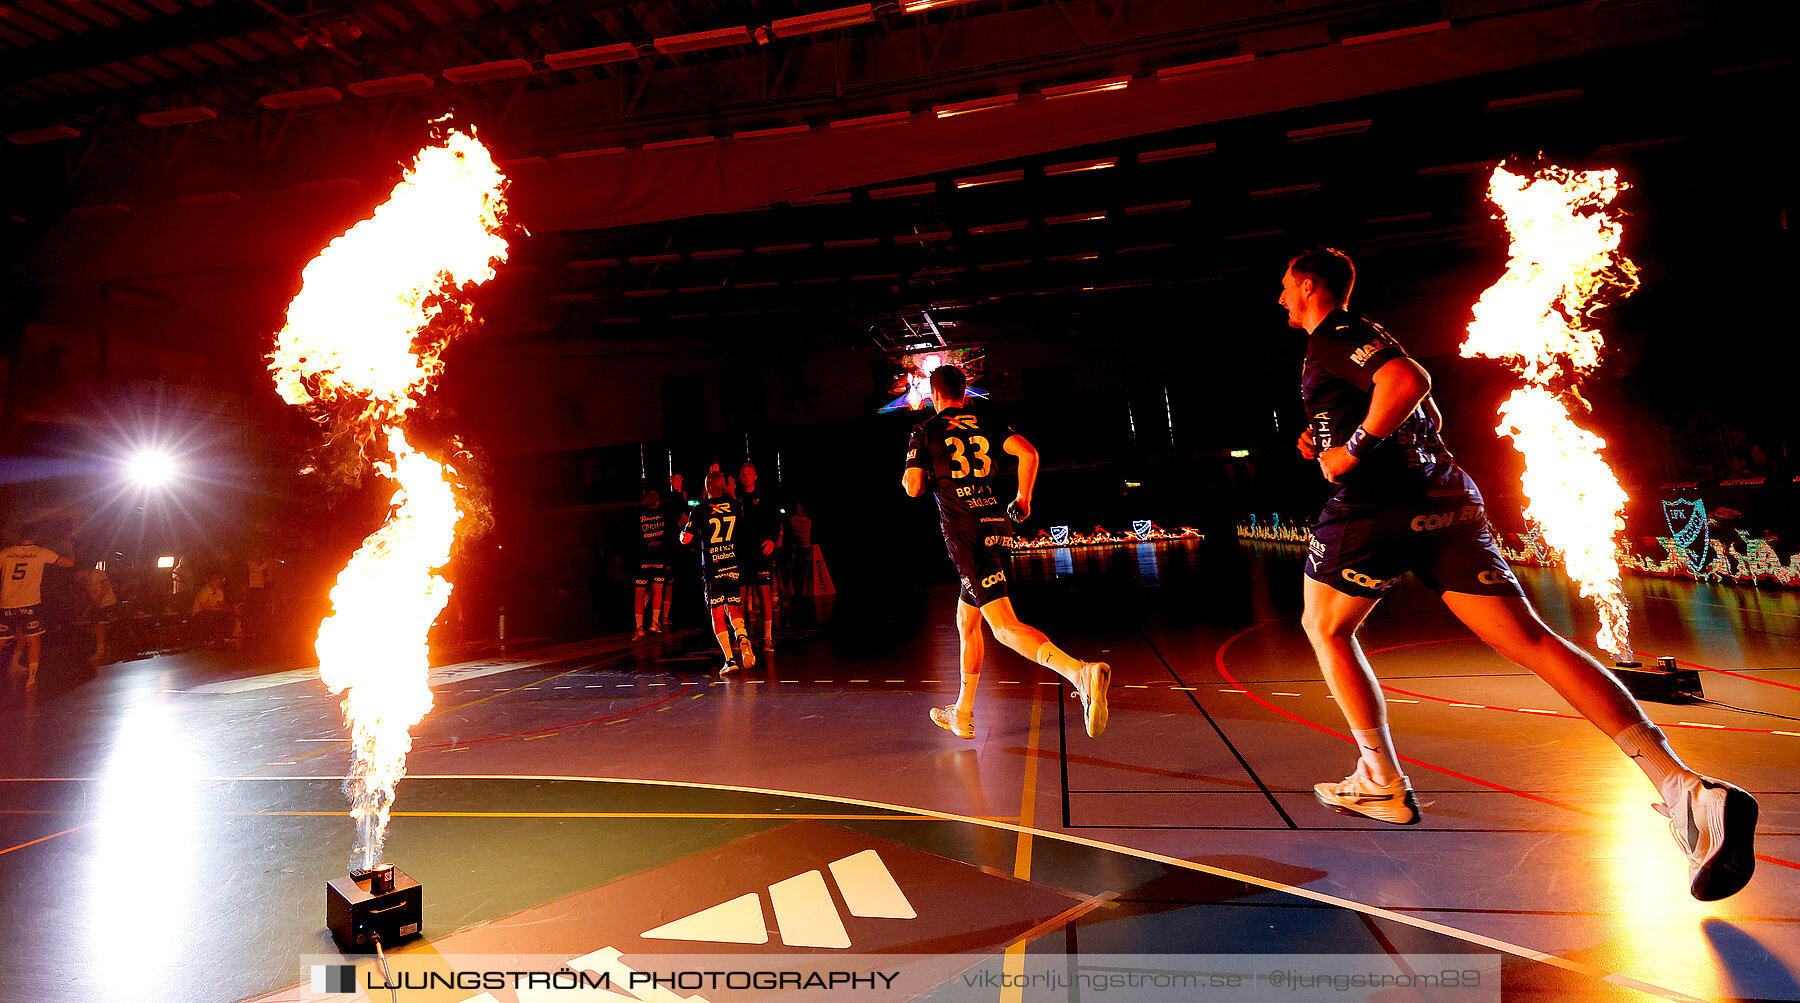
1013,967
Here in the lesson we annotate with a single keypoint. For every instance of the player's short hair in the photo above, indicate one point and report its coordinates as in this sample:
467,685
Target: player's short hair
949,383
651,497
1327,266
715,484
748,463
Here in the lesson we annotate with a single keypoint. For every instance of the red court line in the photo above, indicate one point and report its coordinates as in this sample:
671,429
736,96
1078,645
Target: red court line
41,839
1728,672
1569,717
1219,663
558,727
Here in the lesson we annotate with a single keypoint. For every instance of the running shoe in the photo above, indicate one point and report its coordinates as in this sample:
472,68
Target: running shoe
656,628
744,651
947,719
1715,823
1359,794
637,633
730,667
1095,679
768,644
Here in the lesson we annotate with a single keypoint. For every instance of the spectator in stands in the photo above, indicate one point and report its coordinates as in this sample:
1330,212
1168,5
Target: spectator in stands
212,613
102,607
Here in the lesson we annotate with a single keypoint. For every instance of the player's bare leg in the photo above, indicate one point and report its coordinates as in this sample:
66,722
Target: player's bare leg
1378,788
743,638
1714,822
637,612
34,646
721,624
765,597
1090,679
959,717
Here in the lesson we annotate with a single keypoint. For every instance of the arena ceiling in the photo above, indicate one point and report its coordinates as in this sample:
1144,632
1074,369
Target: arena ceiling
722,161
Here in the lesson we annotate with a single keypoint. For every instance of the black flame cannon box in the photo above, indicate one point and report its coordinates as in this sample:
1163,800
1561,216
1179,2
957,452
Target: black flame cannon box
382,903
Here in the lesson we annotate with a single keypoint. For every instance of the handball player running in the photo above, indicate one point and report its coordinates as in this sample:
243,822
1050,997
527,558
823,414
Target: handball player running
1402,505
716,524
652,566
953,453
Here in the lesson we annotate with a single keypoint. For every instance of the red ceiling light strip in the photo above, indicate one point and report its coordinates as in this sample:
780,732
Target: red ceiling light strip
484,73
1328,131
177,116
1178,152
670,144
956,108
890,118
1383,36
409,83
990,179
1086,87
785,130
699,40
596,56
48,134
1192,69
1100,164
611,151
825,20
301,98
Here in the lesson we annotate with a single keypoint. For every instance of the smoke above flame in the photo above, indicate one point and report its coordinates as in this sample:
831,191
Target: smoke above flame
361,347
1564,265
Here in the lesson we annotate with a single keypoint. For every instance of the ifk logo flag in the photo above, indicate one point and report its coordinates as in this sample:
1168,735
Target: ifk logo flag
334,978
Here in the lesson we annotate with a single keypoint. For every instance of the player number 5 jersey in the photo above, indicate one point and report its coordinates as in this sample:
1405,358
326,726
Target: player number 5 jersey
22,575
959,451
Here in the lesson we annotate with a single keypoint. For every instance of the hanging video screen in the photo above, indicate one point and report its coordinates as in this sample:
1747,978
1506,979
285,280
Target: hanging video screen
910,389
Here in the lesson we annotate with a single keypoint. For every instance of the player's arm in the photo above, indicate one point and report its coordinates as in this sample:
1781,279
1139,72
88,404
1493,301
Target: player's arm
64,561
1433,415
1027,456
916,458
687,533
1398,388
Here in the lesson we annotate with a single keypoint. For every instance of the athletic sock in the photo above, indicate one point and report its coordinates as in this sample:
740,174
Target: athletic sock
737,629
1060,662
725,643
1649,748
965,697
1376,746
639,618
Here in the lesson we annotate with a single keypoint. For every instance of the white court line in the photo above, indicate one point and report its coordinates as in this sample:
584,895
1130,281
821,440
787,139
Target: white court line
1579,967
1477,706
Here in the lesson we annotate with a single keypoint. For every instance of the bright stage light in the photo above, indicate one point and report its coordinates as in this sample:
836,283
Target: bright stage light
151,468
165,562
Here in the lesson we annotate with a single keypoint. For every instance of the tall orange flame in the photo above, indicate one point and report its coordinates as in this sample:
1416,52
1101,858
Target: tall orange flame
1564,265
351,345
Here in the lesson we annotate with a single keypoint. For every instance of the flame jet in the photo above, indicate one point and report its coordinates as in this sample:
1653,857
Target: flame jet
1564,265
361,347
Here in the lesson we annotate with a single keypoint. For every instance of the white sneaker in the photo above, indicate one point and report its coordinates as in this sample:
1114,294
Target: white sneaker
1095,679
730,667
1715,823
1358,794
947,719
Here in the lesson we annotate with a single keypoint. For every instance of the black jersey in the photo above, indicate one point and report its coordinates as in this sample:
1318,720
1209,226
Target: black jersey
959,451
759,521
677,512
1336,381
651,525
718,527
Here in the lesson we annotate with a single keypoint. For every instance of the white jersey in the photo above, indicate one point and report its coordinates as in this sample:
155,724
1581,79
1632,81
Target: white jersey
22,575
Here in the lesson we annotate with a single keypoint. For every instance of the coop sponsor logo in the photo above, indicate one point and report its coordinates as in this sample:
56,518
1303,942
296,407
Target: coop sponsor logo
1440,520
1356,577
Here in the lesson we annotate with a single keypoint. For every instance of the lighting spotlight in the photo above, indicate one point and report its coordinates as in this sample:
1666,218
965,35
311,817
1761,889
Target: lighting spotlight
151,468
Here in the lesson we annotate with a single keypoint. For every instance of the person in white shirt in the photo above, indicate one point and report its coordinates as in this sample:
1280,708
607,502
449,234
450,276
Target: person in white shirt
21,593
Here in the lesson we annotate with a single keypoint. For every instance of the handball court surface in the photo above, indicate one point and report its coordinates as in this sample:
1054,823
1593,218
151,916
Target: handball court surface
168,824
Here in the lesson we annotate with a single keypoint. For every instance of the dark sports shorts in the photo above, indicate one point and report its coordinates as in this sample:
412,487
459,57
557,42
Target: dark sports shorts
1363,549
981,560
652,573
723,586
20,621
